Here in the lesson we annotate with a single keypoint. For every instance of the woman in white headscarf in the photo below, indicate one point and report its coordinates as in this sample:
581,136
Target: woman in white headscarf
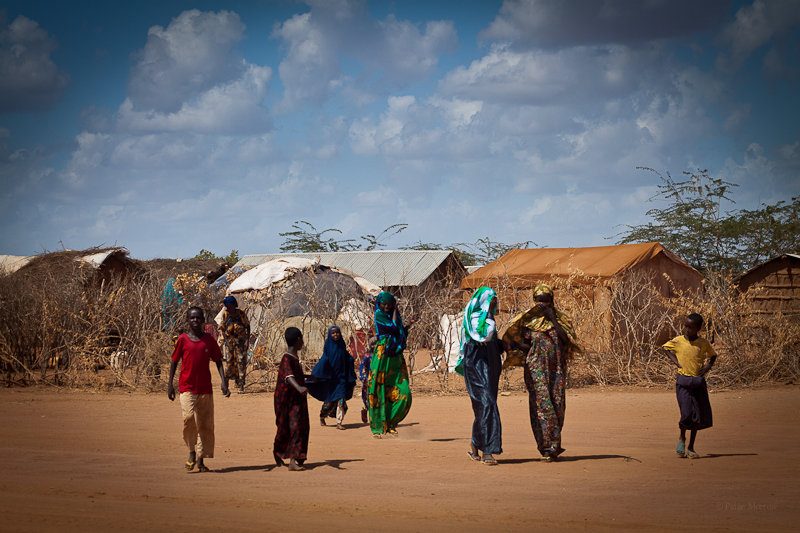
481,365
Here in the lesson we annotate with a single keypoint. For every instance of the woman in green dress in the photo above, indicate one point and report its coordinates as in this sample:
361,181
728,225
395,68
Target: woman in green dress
389,392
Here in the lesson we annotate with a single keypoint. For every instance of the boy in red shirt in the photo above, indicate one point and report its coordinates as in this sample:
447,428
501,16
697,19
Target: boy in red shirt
194,350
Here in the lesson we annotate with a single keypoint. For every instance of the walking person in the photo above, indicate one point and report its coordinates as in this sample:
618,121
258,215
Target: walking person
335,378
481,364
194,351
235,330
552,344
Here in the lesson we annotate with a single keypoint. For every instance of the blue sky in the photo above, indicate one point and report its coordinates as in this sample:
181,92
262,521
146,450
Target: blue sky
168,127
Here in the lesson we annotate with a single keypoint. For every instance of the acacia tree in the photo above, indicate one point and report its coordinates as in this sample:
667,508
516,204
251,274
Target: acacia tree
695,226
306,238
481,252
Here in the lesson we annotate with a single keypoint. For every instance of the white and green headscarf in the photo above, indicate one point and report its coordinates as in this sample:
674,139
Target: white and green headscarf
477,325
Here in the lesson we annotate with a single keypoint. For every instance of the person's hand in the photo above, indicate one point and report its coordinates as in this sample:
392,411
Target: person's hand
547,311
705,370
225,390
302,390
171,391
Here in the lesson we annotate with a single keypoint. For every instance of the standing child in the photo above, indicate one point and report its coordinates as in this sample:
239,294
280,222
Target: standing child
291,406
689,352
194,350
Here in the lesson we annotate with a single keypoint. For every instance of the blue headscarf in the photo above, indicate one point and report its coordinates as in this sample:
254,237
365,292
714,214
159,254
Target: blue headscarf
230,300
386,327
334,373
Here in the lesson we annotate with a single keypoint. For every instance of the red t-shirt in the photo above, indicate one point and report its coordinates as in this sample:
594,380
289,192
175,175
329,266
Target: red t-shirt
195,357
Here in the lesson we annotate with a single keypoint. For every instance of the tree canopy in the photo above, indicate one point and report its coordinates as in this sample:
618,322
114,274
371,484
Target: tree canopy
696,226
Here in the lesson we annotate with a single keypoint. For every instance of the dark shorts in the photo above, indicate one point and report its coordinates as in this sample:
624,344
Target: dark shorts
692,394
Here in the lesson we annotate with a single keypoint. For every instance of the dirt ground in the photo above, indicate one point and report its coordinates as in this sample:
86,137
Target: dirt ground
79,461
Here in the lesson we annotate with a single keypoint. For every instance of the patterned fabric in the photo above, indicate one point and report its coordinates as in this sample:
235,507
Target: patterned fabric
291,412
336,409
363,375
545,377
235,329
534,320
389,391
476,325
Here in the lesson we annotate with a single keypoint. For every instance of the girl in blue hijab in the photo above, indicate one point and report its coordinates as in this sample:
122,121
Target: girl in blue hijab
334,378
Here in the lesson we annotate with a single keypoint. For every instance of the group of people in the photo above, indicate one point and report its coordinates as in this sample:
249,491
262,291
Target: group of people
543,335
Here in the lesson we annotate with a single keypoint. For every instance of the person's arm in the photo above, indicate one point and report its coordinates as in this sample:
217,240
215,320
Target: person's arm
525,348
550,314
293,382
672,357
224,386
170,387
706,367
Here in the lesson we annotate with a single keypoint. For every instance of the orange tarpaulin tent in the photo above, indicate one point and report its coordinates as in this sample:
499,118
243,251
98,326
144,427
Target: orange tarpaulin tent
523,268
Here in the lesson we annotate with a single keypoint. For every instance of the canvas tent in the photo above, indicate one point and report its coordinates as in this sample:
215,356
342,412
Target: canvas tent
778,281
524,268
588,272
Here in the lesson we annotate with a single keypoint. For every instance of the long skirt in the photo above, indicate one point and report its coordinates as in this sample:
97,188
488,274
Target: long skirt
545,378
389,392
482,367
692,394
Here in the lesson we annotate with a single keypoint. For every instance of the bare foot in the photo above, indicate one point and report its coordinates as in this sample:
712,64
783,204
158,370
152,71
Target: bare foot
322,421
339,426
294,467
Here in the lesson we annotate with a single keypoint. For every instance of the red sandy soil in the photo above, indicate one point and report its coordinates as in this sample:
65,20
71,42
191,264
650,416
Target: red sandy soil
80,461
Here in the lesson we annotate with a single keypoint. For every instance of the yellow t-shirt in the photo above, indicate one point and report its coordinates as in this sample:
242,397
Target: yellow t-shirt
691,354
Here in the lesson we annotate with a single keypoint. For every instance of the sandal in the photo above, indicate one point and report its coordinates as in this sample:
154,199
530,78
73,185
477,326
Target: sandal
474,456
189,466
376,436
392,432
490,462
680,448
203,468
691,454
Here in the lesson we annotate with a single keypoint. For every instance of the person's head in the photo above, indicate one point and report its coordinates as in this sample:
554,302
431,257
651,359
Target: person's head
196,319
230,304
294,338
386,302
335,333
543,294
692,326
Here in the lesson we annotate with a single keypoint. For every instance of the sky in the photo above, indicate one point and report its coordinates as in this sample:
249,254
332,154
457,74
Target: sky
169,127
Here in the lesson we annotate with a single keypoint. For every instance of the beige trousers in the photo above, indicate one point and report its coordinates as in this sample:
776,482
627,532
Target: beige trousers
198,423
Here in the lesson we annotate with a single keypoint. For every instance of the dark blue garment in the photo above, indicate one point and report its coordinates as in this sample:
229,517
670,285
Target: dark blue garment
482,367
334,374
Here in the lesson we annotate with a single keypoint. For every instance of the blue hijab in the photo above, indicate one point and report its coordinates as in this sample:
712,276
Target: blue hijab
334,373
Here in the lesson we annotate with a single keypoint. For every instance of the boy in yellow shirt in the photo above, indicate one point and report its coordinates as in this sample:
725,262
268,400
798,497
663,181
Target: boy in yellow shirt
689,353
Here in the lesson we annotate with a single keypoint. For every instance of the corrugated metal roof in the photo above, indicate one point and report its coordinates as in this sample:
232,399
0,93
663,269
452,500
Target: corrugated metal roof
387,268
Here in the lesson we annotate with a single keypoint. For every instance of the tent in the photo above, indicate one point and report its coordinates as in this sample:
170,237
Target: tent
524,268
587,272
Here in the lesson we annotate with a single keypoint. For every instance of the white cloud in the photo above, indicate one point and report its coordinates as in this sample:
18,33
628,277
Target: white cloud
29,79
189,57
392,53
231,108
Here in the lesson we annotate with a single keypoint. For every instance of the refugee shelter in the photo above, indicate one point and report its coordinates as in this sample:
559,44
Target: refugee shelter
778,285
522,269
398,271
601,279
300,292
